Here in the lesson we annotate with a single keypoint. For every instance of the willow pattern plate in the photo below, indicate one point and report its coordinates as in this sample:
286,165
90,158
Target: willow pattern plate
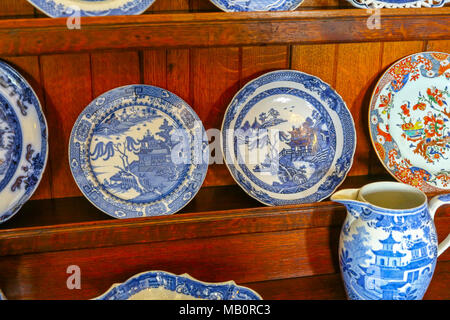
160,285
257,5
138,151
23,141
409,120
288,138
69,8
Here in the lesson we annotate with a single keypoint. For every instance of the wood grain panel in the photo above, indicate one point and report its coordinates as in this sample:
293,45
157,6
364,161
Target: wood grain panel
67,82
15,8
438,45
317,60
169,6
273,255
215,77
322,4
203,5
179,73
259,60
114,69
358,67
28,67
154,63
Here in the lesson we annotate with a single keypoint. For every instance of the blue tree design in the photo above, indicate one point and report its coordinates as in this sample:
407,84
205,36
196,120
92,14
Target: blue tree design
409,294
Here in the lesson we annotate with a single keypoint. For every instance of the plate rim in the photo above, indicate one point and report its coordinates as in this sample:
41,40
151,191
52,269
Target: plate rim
433,189
378,4
227,10
83,13
202,180
184,275
15,208
293,71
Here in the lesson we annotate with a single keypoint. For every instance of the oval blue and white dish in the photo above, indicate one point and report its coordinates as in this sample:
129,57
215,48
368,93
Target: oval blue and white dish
138,151
378,4
256,5
83,8
161,285
288,138
23,141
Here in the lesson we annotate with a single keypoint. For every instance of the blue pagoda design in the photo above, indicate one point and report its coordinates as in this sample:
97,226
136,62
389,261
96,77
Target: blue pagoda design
392,271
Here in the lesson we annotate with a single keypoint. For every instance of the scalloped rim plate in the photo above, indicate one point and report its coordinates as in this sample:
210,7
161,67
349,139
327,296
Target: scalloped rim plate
138,150
23,141
409,120
288,138
256,5
70,8
377,4
161,285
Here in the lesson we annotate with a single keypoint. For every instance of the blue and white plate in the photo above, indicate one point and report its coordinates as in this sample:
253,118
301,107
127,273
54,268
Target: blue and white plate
161,285
137,151
2,296
74,8
288,138
256,5
23,141
365,4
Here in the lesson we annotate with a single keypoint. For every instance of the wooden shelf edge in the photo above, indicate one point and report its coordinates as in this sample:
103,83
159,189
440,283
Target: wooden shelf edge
50,36
168,228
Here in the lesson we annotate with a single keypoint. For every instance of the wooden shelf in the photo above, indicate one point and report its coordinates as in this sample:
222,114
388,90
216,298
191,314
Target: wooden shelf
223,229
223,234
46,36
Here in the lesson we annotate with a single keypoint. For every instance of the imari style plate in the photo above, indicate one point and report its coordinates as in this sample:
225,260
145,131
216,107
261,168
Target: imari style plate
409,120
138,151
365,4
257,5
71,8
160,285
288,138
23,141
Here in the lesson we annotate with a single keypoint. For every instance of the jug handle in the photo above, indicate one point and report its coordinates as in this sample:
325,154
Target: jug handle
433,205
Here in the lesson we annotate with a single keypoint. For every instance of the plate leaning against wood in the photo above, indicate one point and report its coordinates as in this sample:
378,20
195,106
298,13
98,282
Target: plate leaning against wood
409,120
288,138
138,151
378,4
256,5
23,141
72,8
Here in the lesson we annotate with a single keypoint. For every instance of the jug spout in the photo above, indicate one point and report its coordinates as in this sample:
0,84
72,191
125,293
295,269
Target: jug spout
347,197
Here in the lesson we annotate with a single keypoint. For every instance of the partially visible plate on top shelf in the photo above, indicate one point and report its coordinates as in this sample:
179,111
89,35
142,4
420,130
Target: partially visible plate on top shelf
138,151
409,120
74,8
161,285
23,141
256,5
288,138
2,296
375,4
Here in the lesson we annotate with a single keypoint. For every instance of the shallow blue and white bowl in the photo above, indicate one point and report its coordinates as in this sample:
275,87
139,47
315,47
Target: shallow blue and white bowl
161,285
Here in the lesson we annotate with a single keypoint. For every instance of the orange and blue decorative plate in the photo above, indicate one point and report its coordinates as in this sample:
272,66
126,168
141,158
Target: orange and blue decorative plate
409,120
